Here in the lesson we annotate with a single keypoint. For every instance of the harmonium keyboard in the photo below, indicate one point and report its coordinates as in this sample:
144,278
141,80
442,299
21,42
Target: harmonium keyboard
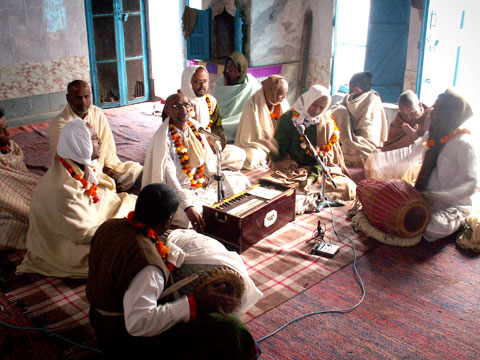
245,218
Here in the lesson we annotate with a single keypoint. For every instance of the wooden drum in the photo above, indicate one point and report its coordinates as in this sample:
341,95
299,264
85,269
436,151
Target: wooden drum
394,206
210,275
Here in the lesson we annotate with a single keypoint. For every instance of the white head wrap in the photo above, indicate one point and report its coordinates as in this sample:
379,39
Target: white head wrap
75,143
306,100
199,102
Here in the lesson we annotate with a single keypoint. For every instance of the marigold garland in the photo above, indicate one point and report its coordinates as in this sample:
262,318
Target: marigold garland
324,148
5,149
431,142
210,111
198,179
92,191
153,236
193,114
275,113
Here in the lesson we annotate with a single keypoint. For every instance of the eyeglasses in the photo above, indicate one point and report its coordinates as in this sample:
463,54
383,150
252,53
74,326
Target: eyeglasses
185,105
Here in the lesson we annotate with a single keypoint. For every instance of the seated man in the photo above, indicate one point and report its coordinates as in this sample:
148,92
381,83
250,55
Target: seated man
449,174
70,202
408,125
179,156
80,105
131,266
361,120
309,111
259,120
195,81
16,184
232,90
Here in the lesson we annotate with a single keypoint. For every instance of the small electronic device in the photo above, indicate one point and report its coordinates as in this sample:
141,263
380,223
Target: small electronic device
324,249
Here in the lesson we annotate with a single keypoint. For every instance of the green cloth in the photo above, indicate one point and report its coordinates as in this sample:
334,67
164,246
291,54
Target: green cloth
209,336
241,63
231,99
289,143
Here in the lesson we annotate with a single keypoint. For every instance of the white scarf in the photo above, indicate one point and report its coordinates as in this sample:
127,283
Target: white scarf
199,102
75,143
306,100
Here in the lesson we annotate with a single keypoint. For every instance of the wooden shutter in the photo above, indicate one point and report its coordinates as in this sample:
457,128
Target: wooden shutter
198,44
387,43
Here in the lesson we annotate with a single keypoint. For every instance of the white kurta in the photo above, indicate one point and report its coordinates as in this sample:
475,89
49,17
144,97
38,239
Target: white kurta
129,170
451,186
63,219
162,165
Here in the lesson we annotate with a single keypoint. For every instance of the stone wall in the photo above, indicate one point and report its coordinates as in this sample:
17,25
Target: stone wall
43,46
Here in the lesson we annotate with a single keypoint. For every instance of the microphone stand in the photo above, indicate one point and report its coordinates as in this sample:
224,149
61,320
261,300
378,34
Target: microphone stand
325,173
219,177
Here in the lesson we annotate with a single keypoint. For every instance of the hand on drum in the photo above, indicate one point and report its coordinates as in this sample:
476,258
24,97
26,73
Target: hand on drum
217,297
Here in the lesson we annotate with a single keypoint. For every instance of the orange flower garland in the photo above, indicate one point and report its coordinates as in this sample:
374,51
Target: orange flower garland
275,114
431,143
92,191
210,111
324,148
198,179
153,236
193,114
5,149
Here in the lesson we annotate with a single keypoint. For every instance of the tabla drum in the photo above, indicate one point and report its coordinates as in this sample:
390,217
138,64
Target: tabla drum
394,206
210,275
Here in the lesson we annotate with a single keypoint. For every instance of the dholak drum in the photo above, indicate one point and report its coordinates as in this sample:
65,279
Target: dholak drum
394,206
210,275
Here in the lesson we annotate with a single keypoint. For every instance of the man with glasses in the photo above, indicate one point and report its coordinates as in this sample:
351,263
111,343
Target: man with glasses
205,110
180,157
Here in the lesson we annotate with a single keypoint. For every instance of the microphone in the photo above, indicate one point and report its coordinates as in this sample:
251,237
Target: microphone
208,133
301,129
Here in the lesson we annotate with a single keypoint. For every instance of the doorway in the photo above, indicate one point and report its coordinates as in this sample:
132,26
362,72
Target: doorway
449,55
117,51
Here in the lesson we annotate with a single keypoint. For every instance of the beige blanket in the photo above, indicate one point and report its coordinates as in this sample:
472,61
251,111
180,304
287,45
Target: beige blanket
128,171
255,126
363,126
16,189
63,219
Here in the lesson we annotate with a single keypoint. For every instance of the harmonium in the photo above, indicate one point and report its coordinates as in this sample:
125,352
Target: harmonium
245,218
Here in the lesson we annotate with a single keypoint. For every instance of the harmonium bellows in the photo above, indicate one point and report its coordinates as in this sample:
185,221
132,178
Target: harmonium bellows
245,218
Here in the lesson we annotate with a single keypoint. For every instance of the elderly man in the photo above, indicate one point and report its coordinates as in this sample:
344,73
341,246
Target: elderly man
449,174
361,120
70,202
259,120
131,267
232,90
16,184
80,105
179,156
408,125
195,82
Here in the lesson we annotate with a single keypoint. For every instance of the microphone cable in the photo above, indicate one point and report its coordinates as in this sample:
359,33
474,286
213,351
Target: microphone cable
334,311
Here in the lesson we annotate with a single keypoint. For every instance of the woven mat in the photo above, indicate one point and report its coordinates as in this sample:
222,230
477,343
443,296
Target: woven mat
281,264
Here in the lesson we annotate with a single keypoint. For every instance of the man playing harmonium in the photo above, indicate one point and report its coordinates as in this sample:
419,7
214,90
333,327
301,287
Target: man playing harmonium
131,267
179,156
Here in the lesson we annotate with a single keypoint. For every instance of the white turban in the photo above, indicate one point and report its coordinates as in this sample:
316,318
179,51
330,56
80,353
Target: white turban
75,143
306,100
